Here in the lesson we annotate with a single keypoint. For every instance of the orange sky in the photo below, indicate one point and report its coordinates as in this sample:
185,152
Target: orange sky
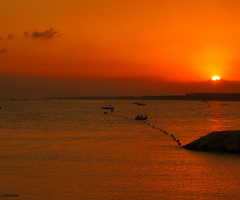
168,40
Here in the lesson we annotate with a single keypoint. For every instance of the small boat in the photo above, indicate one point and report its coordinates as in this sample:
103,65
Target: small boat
205,100
108,107
141,104
141,117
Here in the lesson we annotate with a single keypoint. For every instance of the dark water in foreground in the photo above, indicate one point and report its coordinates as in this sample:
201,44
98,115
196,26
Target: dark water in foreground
71,150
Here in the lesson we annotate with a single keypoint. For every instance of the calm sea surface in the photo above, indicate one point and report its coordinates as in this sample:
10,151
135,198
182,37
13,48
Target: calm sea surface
70,149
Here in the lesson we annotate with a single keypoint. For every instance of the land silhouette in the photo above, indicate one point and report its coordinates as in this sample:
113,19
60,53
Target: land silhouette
217,141
191,96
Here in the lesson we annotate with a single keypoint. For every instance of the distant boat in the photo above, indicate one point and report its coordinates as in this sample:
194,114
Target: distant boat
141,117
108,107
205,100
140,104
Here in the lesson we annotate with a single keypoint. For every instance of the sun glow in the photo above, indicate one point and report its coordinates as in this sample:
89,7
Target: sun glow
216,78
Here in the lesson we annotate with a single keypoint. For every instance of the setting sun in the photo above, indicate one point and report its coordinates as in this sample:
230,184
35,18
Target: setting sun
216,78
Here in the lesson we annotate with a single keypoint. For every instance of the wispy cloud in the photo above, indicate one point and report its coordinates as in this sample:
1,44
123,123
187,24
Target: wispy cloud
10,36
48,34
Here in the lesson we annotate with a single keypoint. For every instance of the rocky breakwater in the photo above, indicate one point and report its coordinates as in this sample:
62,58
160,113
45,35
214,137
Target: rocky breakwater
218,141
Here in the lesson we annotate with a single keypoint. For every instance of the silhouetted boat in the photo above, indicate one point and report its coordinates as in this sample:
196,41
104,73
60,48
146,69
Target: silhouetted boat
140,104
205,100
141,117
108,107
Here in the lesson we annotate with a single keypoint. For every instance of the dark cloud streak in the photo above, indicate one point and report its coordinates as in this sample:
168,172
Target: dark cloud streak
3,51
48,34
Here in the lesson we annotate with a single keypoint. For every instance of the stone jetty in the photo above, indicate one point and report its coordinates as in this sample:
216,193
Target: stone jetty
218,141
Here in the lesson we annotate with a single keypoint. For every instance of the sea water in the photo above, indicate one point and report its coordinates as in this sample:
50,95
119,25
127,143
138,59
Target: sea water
70,149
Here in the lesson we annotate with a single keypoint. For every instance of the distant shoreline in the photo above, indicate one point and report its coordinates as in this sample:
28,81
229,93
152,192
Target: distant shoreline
190,96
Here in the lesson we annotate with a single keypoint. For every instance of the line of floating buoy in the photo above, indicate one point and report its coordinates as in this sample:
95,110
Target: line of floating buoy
154,127
165,132
121,116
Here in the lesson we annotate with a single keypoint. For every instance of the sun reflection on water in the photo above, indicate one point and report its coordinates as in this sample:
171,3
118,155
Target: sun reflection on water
216,117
